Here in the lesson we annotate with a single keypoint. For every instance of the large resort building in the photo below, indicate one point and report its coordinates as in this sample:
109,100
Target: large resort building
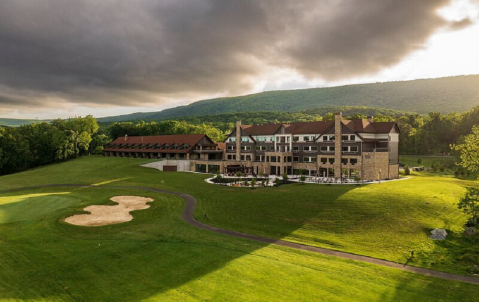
335,149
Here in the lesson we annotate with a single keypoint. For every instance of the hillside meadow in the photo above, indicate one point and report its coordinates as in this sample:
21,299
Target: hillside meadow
158,256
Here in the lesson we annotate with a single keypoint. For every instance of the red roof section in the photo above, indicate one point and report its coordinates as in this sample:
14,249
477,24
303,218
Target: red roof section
318,127
266,129
189,139
309,127
221,145
365,126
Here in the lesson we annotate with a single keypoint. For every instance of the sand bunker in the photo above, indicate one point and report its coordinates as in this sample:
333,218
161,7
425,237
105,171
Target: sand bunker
104,215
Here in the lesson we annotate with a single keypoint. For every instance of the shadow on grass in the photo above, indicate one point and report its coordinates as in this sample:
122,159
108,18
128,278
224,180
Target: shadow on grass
157,251
43,257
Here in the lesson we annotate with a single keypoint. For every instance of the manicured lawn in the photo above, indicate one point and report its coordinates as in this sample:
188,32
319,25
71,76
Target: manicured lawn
158,256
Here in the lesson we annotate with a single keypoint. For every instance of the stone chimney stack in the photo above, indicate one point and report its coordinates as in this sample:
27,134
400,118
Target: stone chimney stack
238,140
337,145
371,119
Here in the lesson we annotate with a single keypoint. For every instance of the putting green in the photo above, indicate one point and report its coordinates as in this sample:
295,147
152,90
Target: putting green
31,206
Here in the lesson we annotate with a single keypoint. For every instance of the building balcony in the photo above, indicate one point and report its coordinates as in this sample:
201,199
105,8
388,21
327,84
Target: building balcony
207,151
376,150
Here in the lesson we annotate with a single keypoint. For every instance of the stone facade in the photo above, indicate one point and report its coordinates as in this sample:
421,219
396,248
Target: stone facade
335,149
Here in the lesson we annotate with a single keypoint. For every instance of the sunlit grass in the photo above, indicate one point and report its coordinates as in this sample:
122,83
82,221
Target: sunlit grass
26,197
157,256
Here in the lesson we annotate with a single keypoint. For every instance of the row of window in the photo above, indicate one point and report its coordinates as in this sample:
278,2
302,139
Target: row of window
294,159
149,146
351,149
243,139
286,139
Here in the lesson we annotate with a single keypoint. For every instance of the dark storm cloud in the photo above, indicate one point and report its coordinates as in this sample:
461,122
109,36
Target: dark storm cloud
131,52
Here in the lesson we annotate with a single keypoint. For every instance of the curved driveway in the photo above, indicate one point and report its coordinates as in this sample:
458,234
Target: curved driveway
188,217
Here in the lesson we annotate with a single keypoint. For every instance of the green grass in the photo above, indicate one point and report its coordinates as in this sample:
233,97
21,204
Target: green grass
31,206
426,160
158,256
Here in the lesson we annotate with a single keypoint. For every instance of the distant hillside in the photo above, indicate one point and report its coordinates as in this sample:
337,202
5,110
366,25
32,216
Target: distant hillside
10,122
445,95
263,117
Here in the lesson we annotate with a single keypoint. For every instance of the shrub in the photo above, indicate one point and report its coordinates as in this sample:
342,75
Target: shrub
277,181
471,222
285,177
469,203
98,150
419,161
302,178
406,170
253,183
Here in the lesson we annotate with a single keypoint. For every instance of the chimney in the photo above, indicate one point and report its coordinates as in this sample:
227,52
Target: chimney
126,137
371,118
238,140
337,144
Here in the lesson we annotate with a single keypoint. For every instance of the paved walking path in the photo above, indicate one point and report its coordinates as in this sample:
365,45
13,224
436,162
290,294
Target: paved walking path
188,217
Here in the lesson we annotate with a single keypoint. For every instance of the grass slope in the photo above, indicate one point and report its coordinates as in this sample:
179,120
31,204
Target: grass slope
449,94
158,256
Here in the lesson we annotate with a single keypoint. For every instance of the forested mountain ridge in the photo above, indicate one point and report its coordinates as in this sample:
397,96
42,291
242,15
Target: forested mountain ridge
445,95
262,117
11,122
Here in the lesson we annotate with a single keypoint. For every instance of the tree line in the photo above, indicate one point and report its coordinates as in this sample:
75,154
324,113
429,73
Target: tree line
34,145
39,144
432,133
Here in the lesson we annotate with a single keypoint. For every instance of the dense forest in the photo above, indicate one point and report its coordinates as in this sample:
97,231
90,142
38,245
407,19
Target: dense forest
33,145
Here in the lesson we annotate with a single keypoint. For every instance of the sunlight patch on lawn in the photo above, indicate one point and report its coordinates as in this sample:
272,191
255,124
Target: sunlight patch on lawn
25,197
110,181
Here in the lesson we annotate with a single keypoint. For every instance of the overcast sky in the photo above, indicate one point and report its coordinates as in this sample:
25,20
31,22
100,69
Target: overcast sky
61,58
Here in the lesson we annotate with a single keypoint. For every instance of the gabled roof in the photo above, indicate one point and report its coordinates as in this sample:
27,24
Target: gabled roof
189,139
318,127
309,127
365,126
264,129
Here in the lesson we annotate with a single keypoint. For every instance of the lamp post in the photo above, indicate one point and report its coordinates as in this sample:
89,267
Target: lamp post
379,175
